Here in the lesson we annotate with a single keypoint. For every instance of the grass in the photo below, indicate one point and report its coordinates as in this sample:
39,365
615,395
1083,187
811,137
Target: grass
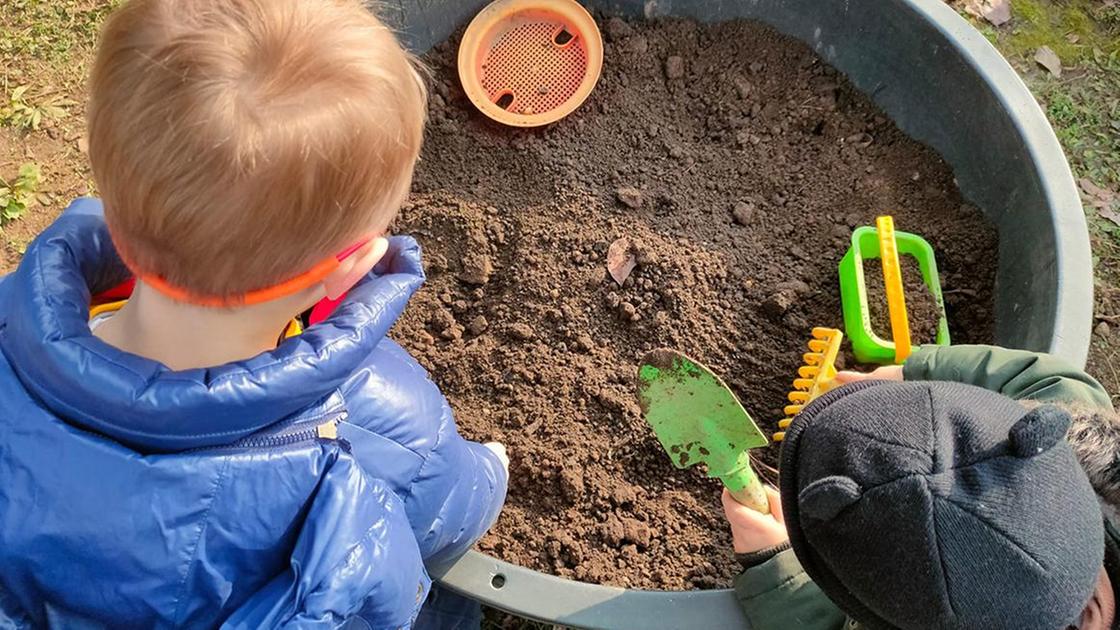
28,111
17,195
50,30
1084,104
1073,29
1085,114
45,46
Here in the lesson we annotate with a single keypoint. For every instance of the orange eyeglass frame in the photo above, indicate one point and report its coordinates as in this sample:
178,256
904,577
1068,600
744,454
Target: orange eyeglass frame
289,287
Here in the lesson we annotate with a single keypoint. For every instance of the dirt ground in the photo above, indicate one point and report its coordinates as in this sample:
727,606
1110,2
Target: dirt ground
735,164
922,312
46,46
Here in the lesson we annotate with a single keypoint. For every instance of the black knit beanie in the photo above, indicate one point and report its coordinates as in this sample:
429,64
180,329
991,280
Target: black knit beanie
941,505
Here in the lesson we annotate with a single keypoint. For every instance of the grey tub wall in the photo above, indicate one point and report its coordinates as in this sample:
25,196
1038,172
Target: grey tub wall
945,85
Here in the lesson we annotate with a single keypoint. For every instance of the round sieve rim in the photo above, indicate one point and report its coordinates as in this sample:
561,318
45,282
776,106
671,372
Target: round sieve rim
482,32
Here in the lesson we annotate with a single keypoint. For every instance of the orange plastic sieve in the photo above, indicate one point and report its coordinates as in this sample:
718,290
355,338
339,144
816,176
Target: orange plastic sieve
528,63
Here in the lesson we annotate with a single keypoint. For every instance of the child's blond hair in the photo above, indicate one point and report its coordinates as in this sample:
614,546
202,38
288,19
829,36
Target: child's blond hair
237,143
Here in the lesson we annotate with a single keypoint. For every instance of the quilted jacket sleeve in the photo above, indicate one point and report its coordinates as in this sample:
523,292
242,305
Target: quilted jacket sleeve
355,558
456,495
402,429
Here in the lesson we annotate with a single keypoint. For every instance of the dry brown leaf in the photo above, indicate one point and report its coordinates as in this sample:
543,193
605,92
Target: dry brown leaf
621,260
1104,200
1111,215
1047,58
1095,196
1093,190
997,12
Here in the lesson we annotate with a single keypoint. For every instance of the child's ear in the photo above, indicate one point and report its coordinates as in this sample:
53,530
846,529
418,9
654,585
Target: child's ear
354,267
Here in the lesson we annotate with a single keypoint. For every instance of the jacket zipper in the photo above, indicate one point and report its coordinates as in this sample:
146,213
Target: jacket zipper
323,431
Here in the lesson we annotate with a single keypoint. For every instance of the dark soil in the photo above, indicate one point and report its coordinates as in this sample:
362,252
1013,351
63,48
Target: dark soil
738,184
921,305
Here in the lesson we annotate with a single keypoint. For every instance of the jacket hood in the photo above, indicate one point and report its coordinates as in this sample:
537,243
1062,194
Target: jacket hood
45,336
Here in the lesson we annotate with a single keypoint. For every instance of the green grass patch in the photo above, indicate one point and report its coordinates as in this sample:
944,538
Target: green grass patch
50,30
17,195
1073,29
1084,104
27,111
1085,114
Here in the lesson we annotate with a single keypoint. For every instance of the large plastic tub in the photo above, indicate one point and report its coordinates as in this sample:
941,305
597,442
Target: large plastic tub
943,84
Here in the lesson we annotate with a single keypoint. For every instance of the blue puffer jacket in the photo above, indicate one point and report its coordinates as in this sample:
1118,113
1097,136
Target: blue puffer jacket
135,496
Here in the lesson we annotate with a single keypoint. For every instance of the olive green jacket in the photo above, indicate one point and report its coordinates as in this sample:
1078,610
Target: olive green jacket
778,595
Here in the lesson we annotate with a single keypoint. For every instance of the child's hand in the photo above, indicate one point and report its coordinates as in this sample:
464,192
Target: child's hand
499,449
885,373
752,531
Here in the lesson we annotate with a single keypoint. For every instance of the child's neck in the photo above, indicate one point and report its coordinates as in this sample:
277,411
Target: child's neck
184,336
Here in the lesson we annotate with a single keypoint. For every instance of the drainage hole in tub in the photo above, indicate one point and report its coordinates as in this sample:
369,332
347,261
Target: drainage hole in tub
563,37
505,100
498,581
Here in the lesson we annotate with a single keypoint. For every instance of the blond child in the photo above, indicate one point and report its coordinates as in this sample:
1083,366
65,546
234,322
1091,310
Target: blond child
187,457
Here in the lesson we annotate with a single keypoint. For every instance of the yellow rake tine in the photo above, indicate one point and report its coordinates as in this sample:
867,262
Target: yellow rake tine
803,384
799,397
793,410
809,371
817,345
784,424
778,437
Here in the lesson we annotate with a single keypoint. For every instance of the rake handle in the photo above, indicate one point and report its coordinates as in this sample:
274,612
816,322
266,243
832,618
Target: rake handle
896,296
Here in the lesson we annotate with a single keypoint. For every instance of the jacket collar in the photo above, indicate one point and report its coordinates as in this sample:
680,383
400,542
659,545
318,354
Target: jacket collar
45,336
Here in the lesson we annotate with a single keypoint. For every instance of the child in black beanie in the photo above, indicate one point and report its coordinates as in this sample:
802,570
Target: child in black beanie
958,491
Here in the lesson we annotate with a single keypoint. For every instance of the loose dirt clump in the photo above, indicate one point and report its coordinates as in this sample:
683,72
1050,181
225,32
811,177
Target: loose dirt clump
736,165
921,306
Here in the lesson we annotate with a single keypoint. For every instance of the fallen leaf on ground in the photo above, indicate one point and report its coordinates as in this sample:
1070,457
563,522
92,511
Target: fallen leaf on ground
621,260
1095,196
997,12
1092,189
1047,58
1111,215
1104,200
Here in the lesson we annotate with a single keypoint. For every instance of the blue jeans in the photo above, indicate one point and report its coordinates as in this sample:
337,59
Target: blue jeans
446,610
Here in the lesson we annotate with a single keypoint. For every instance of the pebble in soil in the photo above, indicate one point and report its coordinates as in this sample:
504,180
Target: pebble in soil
737,163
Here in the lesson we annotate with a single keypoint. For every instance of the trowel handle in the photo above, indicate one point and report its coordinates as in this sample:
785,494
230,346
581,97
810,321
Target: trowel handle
746,488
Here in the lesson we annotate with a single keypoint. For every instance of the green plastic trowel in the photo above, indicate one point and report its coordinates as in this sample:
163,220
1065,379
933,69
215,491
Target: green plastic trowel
698,420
